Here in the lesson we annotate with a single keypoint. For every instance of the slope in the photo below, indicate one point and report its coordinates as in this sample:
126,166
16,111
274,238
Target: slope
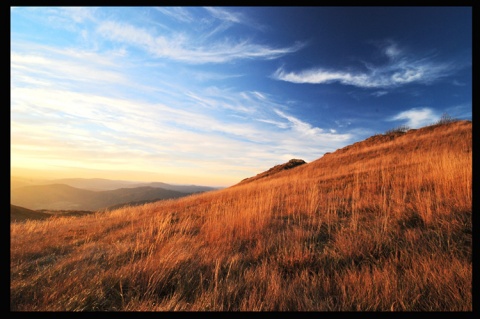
381,225
397,149
274,170
18,214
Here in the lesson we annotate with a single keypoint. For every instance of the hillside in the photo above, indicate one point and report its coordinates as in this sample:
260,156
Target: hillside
59,196
384,224
274,170
189,189
18,214
22,214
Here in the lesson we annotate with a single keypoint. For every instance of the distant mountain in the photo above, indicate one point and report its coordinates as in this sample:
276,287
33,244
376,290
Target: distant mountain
95,184
133,203
179,188
16,182
102,184
61,197
18,214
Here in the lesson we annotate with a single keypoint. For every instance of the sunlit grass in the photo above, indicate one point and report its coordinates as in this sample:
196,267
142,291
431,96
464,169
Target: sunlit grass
383,225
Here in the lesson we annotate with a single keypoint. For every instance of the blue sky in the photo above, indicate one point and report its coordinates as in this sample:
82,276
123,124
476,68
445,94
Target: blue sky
212,95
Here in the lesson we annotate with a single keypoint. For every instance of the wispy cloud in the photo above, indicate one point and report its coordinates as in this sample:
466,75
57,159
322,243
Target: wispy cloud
64,66
278,124
59,119
458,83
190,45
416,117
389,48
217,21
181,47
211,76
460,111
301,127
78,14
379,93
400,69
230,17
68,18
178,13
108,108
225,15
58,122
98,132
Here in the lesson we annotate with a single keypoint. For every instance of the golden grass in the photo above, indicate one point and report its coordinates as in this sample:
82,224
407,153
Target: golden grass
382,225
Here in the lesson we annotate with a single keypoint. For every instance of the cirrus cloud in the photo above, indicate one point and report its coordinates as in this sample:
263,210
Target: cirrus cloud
184,48
399,70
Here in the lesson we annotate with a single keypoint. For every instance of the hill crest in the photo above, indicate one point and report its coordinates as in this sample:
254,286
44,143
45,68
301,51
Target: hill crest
274,170
373,147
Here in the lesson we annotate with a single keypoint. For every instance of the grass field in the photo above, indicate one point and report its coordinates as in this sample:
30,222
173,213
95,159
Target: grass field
381,225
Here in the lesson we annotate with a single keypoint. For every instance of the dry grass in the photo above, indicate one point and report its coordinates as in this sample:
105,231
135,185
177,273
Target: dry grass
382,225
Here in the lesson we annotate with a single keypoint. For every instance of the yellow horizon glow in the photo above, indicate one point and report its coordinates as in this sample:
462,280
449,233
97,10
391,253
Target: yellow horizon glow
136,176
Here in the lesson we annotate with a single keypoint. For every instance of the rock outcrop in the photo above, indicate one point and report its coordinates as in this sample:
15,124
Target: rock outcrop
276,169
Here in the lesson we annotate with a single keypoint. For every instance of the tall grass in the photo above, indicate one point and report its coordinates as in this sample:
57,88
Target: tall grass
381,225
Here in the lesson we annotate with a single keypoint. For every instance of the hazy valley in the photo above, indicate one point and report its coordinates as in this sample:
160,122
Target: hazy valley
92,194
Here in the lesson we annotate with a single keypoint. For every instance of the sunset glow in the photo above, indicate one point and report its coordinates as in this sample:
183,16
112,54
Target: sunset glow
210,96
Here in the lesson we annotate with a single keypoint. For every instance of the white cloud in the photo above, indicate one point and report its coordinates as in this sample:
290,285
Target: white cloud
177,13
74,129
78,14
225,15
400,70
65,67
181,47
278,124
379,93
343,123
301,127
458,83
78,108
68,18
392,51
93,26
229,17
317,76
211,76
416,117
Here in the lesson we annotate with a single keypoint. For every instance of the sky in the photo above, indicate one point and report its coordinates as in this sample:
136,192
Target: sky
213,95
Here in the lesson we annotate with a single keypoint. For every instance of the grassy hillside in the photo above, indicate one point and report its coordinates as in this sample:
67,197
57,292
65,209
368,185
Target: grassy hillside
384,225
22,214
274,170
19,214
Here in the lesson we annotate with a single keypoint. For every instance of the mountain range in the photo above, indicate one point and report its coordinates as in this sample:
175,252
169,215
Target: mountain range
92,194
